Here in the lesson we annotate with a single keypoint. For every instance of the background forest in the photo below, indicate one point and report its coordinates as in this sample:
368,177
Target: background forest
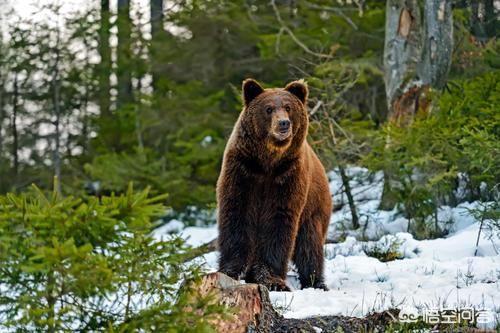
99,95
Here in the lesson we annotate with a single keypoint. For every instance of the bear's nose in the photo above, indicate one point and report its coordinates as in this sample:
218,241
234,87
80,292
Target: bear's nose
284,124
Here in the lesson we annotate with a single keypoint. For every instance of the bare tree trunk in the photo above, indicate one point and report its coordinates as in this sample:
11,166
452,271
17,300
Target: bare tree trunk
124,50
3,76
401,49
156,9
105,65
51,302
57,148
156,31
2,115
350,198
138,127
85,119
437,44
56,100
389,195
13,126
417,54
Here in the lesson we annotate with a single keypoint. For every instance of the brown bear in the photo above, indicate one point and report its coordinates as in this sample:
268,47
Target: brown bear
273,196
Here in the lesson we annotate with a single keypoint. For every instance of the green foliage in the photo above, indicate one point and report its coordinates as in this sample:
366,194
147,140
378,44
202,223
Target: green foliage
460,137
188,176
469,60
168,134
488,215
386,251
91,264
339,129
181,152
341,133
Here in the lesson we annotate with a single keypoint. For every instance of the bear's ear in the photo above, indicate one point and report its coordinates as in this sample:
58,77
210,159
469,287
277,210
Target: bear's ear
251,89
299,89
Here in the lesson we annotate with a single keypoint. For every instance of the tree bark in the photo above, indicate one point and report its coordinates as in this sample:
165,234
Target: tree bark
13,126
85,117
56,100
417,54
124,53
105,64
350,198
156,11
138,126
2,116
437,43
51,302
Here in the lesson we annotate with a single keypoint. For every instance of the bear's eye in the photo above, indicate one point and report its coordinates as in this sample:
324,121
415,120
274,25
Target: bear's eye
287,108
269,110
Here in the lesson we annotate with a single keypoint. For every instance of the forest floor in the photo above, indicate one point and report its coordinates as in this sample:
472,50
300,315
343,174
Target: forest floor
419,277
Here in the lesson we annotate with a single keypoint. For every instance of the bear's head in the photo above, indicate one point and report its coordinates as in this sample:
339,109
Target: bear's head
276,116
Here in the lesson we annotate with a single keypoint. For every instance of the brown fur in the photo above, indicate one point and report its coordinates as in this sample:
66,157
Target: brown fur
273,196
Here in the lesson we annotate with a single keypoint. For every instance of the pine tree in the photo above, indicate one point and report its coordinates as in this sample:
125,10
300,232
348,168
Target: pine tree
91,264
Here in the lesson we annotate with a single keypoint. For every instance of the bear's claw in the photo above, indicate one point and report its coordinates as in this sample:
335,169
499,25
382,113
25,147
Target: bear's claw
321,286
233,274
278,287
275,284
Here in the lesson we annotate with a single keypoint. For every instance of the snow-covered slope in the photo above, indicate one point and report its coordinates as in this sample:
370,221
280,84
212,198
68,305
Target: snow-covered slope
430,274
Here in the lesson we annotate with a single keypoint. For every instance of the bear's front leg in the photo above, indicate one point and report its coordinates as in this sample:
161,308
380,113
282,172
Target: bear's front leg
234,244
278,238
260,272
278,229
275,244
234,241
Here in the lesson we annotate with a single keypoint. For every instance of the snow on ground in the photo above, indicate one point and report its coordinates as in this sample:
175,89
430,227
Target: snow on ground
435,276
430,274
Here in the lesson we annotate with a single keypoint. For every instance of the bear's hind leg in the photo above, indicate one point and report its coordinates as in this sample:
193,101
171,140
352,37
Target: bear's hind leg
308,255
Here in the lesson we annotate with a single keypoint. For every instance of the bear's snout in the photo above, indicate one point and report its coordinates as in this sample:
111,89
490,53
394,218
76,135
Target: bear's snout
281,129
283,125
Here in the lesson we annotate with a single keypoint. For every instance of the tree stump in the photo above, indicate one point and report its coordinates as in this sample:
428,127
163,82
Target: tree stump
253,311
